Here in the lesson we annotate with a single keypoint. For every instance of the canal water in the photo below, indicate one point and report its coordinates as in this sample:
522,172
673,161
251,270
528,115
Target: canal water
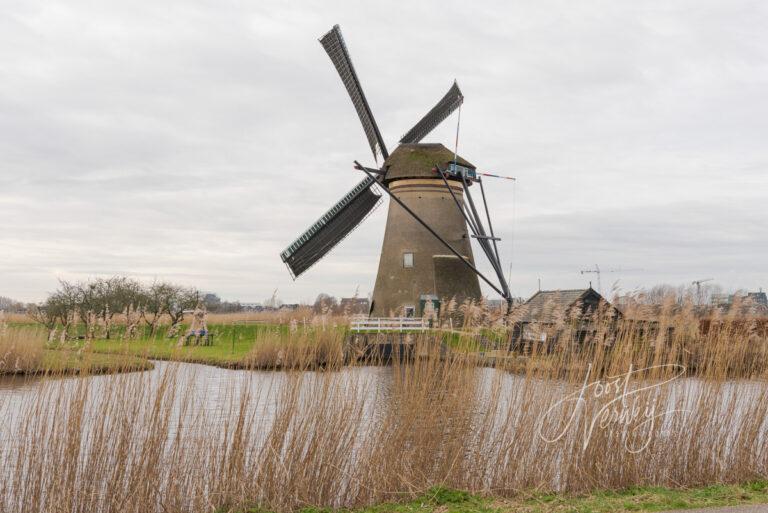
205,398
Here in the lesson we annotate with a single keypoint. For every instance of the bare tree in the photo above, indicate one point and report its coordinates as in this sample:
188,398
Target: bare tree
164,298
45,314
95,302
325,303
153,304
11,305
114,295
66,300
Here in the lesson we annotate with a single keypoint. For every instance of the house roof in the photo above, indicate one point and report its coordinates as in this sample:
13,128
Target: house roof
550,306
418,161
353,300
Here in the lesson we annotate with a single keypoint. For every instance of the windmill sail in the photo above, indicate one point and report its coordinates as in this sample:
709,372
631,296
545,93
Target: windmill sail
334,46
331,228
447,104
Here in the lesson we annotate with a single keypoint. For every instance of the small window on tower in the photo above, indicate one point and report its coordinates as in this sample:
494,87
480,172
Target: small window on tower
407,260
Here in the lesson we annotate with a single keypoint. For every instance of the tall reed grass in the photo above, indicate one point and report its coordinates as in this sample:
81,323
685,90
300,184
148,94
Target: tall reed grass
296,350
21,349
169,441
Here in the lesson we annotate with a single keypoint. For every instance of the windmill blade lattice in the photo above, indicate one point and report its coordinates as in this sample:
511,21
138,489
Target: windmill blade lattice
333,42
447,104
331,228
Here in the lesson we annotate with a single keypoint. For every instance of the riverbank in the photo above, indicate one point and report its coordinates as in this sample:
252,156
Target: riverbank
264,347
651,499
213,439
71,362
25,352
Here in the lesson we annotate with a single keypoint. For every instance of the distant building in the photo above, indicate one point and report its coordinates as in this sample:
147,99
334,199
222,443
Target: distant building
552,306
550,314
501,304
354,306
721,299
749,303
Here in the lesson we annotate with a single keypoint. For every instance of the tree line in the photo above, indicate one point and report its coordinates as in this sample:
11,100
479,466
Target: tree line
95,303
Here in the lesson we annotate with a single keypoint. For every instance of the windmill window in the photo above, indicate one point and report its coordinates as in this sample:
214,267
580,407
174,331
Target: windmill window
410,311
408,260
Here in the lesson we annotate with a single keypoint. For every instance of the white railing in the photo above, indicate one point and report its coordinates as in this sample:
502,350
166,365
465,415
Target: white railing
389,324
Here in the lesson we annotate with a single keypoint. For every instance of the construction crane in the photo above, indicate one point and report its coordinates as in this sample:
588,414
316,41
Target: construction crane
598,272
698,287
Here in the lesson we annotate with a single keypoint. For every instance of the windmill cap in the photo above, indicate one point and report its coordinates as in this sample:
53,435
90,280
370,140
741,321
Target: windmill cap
418,161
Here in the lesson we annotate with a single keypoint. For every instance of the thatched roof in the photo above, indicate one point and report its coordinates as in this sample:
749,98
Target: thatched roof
551,306
418,161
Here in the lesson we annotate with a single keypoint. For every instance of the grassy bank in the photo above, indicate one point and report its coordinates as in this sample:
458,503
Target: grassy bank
442,500
223,353
58,362
240,347
23,351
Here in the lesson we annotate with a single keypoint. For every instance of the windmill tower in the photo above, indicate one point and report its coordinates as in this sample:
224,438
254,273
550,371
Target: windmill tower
415,267
426,254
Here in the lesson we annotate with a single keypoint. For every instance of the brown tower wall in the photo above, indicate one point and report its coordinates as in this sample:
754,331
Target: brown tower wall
435,270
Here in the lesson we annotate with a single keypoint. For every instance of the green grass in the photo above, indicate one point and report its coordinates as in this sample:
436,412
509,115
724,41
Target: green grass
225,331
231,343
222,353
442,500
69,362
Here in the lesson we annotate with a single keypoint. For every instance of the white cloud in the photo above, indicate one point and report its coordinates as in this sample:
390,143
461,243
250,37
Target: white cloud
194,140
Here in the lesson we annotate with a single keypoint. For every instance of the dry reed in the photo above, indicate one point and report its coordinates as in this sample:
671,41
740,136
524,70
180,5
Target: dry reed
21,350
166,441
296,350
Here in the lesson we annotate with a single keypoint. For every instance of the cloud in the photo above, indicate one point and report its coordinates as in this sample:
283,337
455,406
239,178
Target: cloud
194,140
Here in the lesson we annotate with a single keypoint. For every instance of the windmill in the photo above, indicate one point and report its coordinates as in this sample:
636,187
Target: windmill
426,253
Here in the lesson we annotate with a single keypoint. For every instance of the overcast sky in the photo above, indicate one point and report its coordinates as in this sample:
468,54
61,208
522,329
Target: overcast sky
192,141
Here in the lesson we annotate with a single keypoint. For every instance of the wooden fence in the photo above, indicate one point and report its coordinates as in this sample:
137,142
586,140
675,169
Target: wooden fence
379,324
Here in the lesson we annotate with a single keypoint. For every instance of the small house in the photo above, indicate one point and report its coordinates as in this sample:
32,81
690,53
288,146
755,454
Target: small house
354,306
550,316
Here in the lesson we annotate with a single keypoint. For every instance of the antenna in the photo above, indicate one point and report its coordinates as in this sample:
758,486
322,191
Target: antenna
596,271
512,233
498,176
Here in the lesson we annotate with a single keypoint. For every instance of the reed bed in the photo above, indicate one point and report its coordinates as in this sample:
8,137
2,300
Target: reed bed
20,318
575,417
297,350
21,350
303,315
